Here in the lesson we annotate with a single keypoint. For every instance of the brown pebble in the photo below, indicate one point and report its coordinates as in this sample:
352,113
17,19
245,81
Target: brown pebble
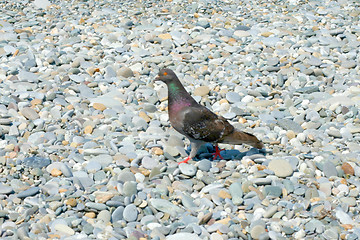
71,202
224,194
99,106
90,214
103,197
290,134
165,36
88,129
202,91
12,154
205,218
36,101
157,151
55,172
144,116
348,169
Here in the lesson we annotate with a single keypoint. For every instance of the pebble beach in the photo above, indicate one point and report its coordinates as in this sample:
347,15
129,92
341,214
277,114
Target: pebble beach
87,150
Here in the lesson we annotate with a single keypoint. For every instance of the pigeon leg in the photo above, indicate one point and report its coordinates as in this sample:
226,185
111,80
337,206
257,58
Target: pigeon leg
185,161
195,145
217,152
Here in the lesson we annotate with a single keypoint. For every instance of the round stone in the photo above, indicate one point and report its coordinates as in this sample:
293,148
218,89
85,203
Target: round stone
256,231
187,169
281,167
130,213
202,91
233,97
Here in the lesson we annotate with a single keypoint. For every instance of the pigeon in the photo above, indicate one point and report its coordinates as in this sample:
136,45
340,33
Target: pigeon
198,123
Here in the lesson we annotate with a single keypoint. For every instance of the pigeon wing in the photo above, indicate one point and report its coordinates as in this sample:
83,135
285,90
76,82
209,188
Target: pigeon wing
200,123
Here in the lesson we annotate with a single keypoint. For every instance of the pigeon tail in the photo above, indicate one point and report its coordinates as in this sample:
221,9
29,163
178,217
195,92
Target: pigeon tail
238,137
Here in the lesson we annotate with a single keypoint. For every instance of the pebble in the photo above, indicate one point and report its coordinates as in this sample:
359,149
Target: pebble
130,213
129,188
233,97
290,125
236,193
183,235
118,214
202,91
329,169
281,167
149,163
204,165
36,162
29,113
28,192
166,206
256,231
125,72
187,169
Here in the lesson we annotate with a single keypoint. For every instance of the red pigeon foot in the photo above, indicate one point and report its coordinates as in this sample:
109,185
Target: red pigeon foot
217,153
186,160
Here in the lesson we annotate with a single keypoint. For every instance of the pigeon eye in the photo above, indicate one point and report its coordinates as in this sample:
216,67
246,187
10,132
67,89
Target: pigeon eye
165,73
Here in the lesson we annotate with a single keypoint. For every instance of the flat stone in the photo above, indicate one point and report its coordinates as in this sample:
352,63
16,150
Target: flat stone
125,72
314,61
29,113
182,236
117,215
149,163
130,213
325,188
36,162
233,97
288,124
166,206
202,91
270,211
129,188
281,167
348,64
273,191
308,90
29,192
42,4
103,159
187,169
256,231
4,189
343,217
93,167
204,165
77,78
64,229
236,193
329,169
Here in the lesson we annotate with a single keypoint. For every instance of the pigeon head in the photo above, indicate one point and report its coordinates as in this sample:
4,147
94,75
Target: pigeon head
166,75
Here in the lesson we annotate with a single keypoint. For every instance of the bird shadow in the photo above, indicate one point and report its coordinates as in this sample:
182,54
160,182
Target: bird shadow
207,150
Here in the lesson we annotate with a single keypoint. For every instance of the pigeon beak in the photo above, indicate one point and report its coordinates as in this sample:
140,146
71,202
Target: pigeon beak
157,78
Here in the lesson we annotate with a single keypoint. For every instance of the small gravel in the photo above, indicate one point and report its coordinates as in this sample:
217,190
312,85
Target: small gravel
87,151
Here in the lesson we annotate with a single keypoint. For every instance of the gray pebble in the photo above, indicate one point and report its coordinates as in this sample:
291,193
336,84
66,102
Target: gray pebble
187,169
36,162
166,206
29,192
130,213
233,97
117,215
129,188
273,191
204,165
329,169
